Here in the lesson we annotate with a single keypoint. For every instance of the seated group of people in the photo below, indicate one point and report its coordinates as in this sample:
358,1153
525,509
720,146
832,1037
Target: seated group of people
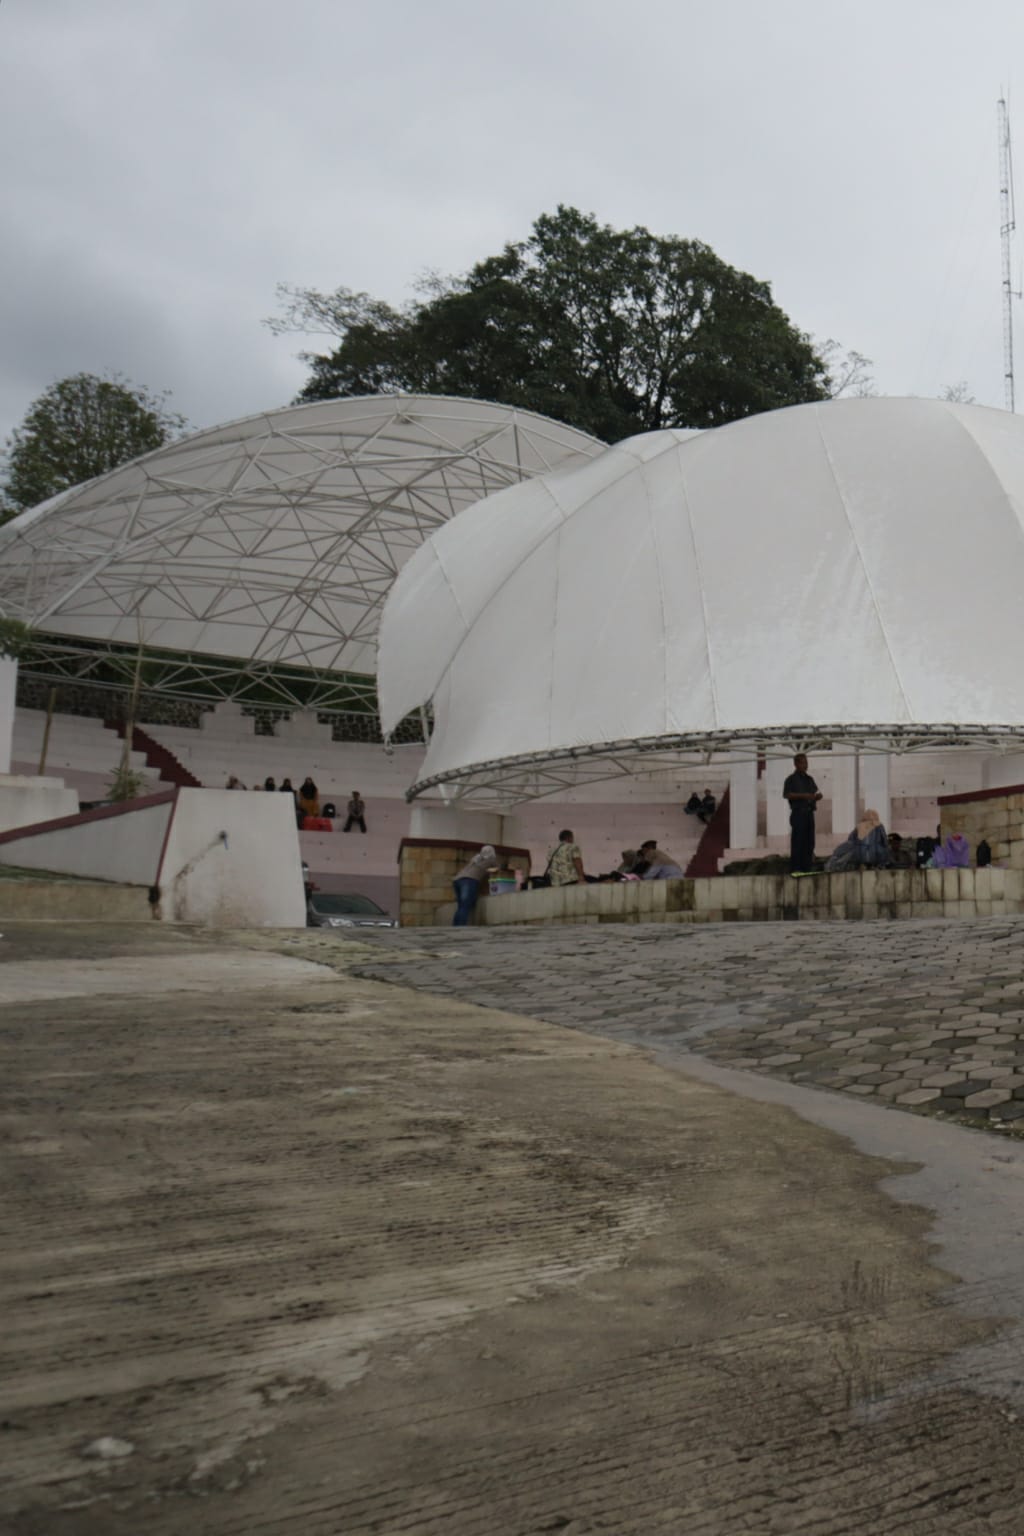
565,864
307,801
701,806
869,847
564,867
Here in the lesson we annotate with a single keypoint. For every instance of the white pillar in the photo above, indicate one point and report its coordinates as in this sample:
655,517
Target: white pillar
8,689
743,804
776,772
874,785
455,824
844,790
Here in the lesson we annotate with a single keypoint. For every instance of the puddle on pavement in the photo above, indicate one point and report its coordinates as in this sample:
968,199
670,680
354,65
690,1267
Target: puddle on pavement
971,1181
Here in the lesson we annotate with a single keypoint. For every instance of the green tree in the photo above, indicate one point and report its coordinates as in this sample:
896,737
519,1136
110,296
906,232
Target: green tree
79,428
613,331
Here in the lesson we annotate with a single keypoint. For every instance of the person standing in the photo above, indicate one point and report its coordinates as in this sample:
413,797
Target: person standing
466,884
356,812
565,865
803,796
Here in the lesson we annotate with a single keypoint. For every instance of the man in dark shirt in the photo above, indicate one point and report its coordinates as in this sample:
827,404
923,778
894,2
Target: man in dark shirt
803,796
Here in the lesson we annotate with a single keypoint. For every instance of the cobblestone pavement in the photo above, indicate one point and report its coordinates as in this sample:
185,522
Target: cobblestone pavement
926,1015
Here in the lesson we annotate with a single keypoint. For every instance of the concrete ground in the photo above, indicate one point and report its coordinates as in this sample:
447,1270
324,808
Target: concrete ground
287,1249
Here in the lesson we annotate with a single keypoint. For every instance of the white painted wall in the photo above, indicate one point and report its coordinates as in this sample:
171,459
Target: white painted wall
454,822
125,848
1007,769
24,800
227,867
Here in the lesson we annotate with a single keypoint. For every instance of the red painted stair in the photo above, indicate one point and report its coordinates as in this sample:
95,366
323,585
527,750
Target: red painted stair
713,843
166,764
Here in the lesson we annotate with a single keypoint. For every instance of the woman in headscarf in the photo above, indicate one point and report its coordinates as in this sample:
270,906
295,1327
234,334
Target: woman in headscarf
626,870
309,798
867,847
954,853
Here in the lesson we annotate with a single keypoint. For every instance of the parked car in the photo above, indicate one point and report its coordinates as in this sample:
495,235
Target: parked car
325,909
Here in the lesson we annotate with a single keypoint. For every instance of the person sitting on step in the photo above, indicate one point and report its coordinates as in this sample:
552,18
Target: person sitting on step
309,798
659,865
356,809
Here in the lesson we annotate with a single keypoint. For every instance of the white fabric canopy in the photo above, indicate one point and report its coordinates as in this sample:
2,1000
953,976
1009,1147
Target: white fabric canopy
854,563
272,540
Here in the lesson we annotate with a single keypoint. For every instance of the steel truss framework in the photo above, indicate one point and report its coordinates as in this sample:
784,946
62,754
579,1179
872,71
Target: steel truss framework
508,781
270,542
202,679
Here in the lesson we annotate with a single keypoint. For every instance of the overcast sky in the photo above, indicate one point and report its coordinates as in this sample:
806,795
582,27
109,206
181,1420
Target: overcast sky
167,162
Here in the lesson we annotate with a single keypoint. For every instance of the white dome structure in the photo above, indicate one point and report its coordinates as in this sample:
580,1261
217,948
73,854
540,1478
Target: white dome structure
270,541
845,571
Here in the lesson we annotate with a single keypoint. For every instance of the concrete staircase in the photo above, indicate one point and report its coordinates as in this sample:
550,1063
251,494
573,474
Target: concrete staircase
712,844
81,751
158,757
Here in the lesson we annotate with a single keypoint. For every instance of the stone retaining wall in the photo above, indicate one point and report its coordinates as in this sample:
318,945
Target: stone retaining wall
863,895
997,815
428,865
65,901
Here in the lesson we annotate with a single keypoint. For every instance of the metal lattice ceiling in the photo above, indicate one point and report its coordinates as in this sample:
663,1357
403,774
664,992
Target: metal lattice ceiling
271,541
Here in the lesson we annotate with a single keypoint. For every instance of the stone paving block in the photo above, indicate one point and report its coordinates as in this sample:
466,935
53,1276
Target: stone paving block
919,1096
987,1099
936,1009
958,1090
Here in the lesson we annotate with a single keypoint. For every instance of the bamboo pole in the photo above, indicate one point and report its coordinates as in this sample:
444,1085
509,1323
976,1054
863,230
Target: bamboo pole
51,705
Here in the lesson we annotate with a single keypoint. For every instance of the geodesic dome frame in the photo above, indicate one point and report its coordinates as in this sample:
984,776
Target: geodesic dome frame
262,550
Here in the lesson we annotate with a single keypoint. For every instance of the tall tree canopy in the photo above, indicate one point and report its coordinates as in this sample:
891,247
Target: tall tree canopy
612,331
79,428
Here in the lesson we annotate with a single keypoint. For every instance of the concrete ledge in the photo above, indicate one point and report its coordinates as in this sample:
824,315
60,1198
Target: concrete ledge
866,895
73,901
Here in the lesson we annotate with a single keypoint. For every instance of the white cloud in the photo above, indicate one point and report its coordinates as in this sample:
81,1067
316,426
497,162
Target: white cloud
165,166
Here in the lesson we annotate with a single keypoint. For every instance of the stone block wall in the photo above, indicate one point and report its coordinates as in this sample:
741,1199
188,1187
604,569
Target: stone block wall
426,868
997,815
858,896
